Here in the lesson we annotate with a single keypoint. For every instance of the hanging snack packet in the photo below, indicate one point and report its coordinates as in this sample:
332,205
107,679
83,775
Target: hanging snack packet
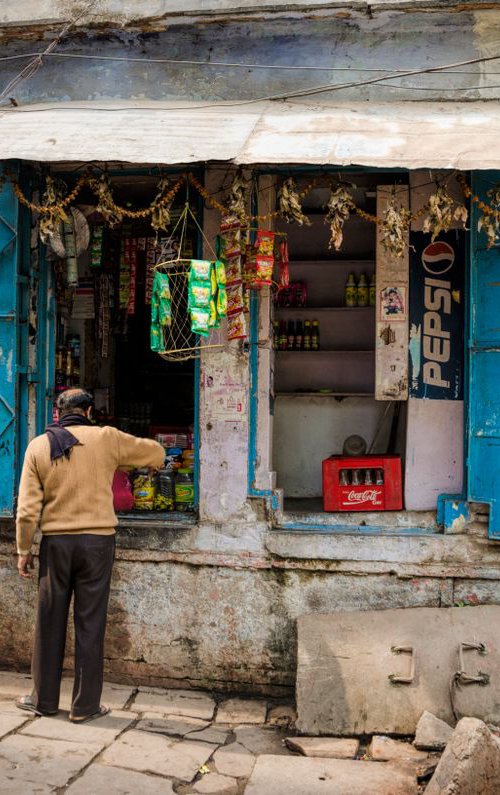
264,243
199,294
220,272
236,327
234,298
222,301
233,271
200,269
200,321
263,271
283,266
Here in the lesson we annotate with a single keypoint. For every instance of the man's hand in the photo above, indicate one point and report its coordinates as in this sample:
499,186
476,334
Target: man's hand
25,566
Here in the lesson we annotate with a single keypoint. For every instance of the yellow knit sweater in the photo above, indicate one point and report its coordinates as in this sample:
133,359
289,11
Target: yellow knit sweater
74,495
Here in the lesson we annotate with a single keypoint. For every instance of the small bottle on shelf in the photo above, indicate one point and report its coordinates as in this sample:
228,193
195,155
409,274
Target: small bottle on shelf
276,334
283,339
291,335
307,335
315,336
362,291
351,291
299,336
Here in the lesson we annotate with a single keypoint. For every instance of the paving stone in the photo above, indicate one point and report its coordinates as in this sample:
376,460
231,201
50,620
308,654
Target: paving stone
53,762
148,752
13,685
299,775
239,710
174,725
16,786
234,760
384,749
210,735
215,784
114,695
324,747
104,780
282,715
101,731
432,733
10,722
261,740
8,707
189,703
470,764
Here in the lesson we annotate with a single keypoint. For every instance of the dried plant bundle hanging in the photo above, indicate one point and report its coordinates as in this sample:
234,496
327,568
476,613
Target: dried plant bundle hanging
394,228
490,221
105,203
339,207
289,203
160,207
237,200
440,213
54,215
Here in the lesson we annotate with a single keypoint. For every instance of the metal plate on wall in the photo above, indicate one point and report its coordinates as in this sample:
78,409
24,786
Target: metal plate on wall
377,671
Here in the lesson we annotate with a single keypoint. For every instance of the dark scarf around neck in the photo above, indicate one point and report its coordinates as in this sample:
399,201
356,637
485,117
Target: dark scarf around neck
61,440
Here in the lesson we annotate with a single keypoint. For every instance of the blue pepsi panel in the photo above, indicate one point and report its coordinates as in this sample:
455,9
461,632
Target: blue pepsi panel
9,328
484,368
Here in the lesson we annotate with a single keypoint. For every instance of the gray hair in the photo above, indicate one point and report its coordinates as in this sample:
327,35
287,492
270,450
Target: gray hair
74,399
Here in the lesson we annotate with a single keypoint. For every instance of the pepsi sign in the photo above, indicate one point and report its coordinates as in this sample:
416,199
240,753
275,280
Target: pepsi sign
437,316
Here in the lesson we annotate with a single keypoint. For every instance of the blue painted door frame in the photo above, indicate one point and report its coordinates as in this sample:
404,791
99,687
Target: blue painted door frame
484,364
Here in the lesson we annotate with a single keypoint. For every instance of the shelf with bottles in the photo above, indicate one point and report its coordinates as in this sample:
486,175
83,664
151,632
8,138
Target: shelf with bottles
329,332
324,393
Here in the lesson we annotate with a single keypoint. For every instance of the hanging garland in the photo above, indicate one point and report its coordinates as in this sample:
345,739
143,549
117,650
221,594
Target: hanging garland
440,211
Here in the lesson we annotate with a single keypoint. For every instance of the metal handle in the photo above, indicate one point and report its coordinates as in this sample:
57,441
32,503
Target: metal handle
395,679
461,676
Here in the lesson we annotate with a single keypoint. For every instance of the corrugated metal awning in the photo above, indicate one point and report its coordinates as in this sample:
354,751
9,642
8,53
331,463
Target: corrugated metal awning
407,134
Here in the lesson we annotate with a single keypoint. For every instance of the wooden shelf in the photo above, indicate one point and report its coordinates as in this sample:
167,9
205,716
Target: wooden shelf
344,352
325,394
312,309
347,263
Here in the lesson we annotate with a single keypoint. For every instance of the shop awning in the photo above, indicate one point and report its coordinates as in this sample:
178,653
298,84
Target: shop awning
408,135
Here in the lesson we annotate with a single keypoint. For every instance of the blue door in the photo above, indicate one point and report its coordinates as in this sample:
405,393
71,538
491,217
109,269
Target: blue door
9,346
484,364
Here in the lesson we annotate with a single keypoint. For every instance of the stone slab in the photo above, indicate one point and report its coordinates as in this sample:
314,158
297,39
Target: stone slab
10,786
150,753
14,684
470,764
261,739
173,725
114,695
210,735
189,703
8,707
240,710
234,760
346,659
298,775
324,747
11,722
103,780
385,749
37,759
215,784
101,731
432,733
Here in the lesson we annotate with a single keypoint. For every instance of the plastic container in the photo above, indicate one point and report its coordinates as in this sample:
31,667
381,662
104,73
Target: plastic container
165,491
184,490
144,490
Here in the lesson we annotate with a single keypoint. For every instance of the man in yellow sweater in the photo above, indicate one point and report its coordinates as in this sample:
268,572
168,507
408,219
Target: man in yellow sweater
66,490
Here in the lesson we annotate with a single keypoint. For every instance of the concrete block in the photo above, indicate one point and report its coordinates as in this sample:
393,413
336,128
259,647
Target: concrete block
324,747
470,764
354,668
189,703
234,760
261,740
432,733
276,775
150,753
101,731
174,725
384,749
37,759
214,784
239,710
103,780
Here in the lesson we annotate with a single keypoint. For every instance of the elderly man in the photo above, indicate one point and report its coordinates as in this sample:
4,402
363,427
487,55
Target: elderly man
66,490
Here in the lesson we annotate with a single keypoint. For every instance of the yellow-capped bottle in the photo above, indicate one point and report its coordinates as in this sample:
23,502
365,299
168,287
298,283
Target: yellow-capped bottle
371,300
362,291
351,291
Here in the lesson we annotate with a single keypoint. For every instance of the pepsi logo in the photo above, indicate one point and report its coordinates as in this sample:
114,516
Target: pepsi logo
438,258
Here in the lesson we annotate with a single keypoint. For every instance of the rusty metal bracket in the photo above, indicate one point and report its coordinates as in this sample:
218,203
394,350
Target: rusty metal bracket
461,677
396,679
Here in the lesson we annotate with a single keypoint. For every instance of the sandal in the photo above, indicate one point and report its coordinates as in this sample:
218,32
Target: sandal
100,713
26,703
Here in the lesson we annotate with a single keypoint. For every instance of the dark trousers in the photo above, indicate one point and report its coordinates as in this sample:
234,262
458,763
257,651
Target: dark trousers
80,565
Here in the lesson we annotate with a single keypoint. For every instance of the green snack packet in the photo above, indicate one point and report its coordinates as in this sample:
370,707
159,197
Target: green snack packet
220,272
222,301
200,269
200,321
199,295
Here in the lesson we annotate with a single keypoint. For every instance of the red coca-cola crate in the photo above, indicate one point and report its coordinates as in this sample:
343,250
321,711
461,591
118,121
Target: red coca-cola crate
340,496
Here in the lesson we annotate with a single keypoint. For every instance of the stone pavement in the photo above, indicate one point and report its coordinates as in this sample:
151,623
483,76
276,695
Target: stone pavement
179,741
